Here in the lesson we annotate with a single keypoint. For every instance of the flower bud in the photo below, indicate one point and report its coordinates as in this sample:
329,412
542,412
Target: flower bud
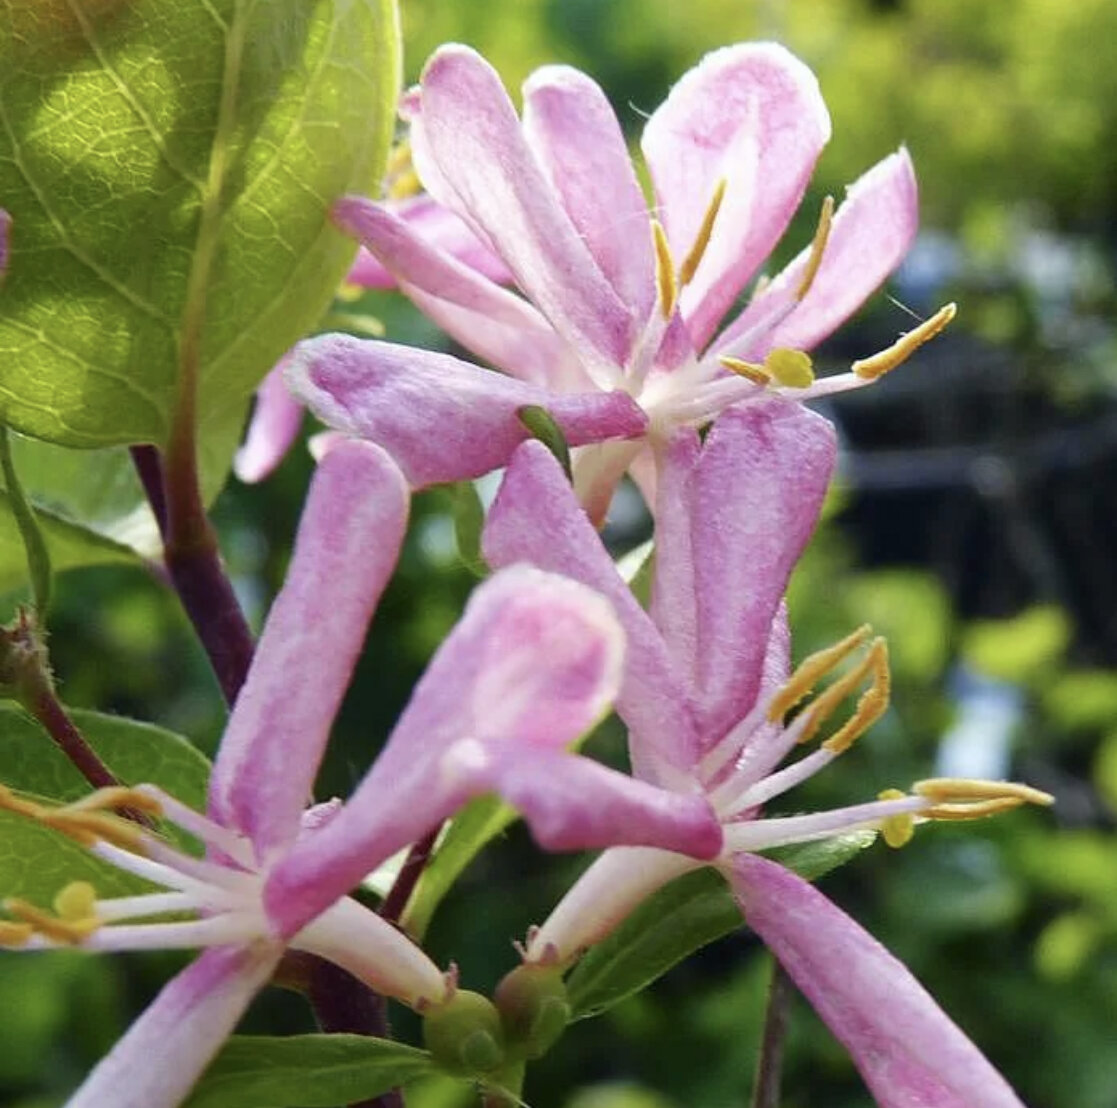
464,1035
533,1007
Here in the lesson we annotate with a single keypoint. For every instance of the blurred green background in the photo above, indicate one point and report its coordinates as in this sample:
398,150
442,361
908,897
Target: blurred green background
975,527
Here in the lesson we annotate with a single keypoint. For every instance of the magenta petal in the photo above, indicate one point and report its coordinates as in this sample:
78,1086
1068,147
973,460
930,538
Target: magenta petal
440,418
471,132
536,518
749,114
576,137
756,494
275,424
533,663
348,542
165,1051
873,230
909,1052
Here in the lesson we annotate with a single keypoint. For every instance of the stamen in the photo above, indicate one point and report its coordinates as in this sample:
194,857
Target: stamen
955,789
15,934
113,798
755,373
811,670
827,703
906,345
665,280
52,927
9,802
976,809
402,180
76,902
84,820
694,256
897,830
872,705
818,246
791,368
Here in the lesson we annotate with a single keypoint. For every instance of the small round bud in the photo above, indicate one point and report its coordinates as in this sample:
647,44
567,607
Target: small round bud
464,1035
533,1007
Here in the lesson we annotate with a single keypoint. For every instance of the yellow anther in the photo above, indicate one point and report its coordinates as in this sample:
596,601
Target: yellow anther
694,256
791,368
9,802
818,246
872,705
811,670
755,373
952,790
906,345
113,799
827,703
15,934
974,809
87,828
665,280
399,158
401,179
76,902
59,930
897,830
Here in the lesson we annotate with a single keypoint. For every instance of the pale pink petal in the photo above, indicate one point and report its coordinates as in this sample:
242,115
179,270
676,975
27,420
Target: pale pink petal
5,237
756,494
443,229
872,231
534,662
472,133
909,1052
274,426
571,127
535,518
749,114
165,1051
348,542
440,418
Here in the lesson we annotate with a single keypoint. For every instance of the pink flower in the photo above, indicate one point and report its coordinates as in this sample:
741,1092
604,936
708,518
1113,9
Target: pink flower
534,662
617,329
706,690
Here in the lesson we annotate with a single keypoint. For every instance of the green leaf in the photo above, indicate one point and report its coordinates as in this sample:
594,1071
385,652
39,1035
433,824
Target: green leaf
306,1071
469,520
35,862
479,821
542,425
682,917
31,535
169,167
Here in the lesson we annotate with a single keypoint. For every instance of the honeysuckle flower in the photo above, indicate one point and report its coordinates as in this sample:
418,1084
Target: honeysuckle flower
706,696
619,305
533,663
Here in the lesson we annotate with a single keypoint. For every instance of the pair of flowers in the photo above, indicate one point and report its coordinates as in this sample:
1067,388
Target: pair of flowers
617,341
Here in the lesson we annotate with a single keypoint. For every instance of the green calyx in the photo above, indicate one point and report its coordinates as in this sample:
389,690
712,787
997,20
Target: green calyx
534,1008
465,1035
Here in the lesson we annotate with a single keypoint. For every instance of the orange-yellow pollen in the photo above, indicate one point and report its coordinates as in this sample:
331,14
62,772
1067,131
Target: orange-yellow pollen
876,659
50,926
813,669
872,704
665,278
15,934
818,247
961,790
91,818
906,345
694,256
757,374
402,180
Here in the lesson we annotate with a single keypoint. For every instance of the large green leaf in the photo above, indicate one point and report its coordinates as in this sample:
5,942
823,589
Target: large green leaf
35,862
306,1071
682,917
168,167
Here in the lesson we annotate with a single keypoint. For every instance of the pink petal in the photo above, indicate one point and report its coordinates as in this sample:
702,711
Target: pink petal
442,229
440,418
473,135
751,115
533,663
535,518
909,1052
348,542
165,1051
755,497
574,133
275,424
872,232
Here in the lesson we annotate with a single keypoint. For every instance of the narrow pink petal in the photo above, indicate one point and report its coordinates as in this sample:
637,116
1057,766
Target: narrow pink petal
535,518
534,662
574,133
165,1051
275,424
756,493
752,115
472,133
348,542
440,418
442,229
909,1052
5,237
872,231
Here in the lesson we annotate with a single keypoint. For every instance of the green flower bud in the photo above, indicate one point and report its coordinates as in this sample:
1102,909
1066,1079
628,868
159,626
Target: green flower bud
464,1035
533,1007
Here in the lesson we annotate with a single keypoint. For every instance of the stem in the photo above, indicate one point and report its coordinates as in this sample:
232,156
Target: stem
149,467
408,877
769,1066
